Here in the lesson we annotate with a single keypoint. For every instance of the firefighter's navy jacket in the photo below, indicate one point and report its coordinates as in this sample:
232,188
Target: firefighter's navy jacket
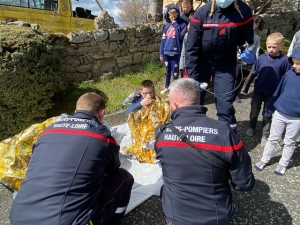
214,39
196,191
65,173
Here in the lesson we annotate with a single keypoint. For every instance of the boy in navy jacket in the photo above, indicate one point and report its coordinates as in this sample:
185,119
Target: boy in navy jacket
269,68
171,44
146,97
286,104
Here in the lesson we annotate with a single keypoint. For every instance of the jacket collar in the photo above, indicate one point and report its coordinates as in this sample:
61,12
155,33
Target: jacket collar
189,111
275,57
83,114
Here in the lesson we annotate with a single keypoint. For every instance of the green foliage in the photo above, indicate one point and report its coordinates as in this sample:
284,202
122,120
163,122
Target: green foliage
114,90
29,75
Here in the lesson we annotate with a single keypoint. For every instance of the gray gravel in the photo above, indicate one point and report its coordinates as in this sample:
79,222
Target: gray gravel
274,200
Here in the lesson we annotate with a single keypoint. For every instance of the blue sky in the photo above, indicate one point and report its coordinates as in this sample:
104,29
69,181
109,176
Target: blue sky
92,5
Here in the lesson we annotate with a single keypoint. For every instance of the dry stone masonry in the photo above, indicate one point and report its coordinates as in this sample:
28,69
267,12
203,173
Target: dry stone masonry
108,52
288,23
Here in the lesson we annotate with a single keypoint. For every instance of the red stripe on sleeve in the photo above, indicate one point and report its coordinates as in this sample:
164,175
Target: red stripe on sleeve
231,24
79,132
220,148
195,20
248,20
224,25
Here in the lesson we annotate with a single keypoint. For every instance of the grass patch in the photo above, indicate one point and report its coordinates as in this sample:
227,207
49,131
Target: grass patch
113,90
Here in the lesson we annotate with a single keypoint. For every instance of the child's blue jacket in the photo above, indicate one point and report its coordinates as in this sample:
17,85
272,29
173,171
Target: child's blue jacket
286,98
269,72
173,35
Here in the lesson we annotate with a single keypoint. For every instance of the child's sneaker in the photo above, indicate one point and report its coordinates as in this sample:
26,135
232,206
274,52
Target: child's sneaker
259,166
164,91
280,170
250,132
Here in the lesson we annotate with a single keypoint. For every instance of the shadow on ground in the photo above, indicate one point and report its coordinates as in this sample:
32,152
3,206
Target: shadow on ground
255,207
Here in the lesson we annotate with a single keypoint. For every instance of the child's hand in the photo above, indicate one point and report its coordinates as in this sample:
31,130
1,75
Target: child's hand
147,100
161,58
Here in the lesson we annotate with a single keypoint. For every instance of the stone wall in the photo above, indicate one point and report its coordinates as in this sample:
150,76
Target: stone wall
108,52
288,23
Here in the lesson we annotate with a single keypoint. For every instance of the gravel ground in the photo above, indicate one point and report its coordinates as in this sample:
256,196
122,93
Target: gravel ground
274,200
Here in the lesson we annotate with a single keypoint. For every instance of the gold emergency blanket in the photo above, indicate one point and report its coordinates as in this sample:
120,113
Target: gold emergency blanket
15,153
142,124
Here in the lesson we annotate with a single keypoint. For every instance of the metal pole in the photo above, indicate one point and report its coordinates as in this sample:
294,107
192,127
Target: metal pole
99,5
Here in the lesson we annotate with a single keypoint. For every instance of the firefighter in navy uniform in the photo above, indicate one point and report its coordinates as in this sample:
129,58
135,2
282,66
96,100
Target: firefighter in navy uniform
197,190
73,175
216,30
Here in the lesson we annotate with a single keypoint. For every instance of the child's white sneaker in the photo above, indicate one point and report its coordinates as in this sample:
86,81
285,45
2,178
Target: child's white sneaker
259,166
166,90
280,170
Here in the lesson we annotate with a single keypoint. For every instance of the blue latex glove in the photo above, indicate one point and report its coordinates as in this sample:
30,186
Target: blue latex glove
248,57
268,114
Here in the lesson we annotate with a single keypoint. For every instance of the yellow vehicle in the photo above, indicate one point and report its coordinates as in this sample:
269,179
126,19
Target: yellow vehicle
52,16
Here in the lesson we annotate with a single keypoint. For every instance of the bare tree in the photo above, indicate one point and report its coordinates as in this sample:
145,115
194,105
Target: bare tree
132,12
155,10
263,6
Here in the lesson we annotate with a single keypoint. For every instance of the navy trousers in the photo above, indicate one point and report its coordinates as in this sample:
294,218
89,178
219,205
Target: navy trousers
224,83
114,198
256,102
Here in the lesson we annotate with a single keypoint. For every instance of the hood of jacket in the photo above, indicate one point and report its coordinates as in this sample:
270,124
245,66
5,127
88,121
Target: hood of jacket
167,18
295,54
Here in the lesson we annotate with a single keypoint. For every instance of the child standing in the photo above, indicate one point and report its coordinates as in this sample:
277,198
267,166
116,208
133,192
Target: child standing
186,9
286,104
182,55
171,44
294,44
146,97
269,68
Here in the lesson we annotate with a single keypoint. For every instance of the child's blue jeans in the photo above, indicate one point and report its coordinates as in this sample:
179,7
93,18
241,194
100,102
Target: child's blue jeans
171,64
